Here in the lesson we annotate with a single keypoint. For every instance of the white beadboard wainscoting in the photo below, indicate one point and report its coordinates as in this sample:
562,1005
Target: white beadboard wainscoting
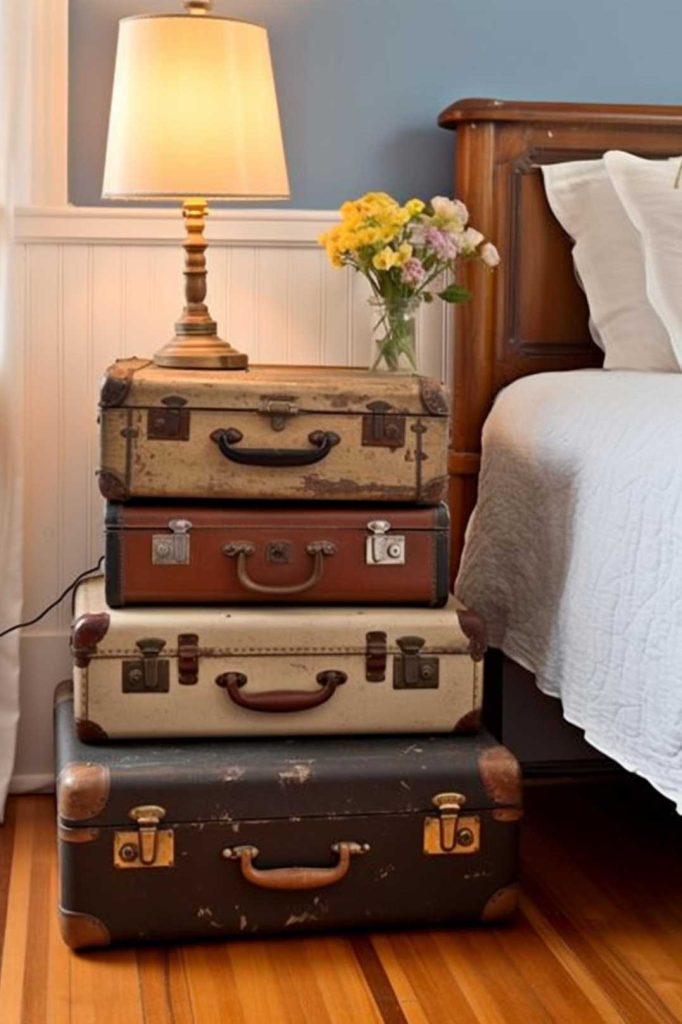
99,284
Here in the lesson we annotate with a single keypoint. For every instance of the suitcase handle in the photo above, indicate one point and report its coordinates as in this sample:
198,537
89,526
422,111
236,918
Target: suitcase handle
281,700
294,878
322,441
242,549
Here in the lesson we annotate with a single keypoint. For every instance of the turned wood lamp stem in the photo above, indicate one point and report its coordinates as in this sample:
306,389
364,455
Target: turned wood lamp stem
195,314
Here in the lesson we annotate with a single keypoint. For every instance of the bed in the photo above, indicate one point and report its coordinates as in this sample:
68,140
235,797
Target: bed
571,525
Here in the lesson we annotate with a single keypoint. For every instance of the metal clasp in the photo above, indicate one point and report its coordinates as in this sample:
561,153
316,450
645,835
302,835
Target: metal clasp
278,409
172,549
148,846
411,669
381,549
450,831
148,674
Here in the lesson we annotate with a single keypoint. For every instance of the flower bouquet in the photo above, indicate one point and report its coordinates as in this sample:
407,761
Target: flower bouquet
404,251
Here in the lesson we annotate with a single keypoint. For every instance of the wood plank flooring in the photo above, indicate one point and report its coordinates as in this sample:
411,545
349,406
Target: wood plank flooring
598,940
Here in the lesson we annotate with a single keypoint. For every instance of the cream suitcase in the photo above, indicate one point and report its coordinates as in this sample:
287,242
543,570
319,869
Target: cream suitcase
291,433
258,671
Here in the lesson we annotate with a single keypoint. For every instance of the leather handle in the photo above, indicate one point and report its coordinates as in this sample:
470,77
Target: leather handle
317,550
281,700
294,878
322,442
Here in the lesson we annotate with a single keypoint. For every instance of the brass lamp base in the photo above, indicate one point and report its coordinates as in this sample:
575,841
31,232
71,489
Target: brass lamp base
201,352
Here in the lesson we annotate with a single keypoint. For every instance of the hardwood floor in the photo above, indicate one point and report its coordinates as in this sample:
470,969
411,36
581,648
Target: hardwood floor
598,940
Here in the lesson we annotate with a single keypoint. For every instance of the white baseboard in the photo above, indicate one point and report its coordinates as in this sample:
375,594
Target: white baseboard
32,784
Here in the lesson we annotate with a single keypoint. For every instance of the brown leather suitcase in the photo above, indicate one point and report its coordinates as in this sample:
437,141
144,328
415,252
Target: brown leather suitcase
205,840
284,433
338,554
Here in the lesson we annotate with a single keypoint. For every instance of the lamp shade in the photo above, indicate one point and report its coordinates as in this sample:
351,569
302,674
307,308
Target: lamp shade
194,112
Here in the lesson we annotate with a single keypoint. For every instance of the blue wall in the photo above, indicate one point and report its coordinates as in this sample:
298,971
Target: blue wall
361,81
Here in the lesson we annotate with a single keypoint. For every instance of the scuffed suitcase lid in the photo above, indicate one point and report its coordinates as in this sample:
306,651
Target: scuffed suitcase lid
138,383
256,779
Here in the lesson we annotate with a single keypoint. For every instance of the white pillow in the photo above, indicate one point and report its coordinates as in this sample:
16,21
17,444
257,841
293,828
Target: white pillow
647,191
609,262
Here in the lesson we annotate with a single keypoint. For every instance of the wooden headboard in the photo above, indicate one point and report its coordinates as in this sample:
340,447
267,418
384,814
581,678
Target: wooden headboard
530,315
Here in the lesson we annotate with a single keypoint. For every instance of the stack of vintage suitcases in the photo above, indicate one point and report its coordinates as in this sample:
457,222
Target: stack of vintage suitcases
284,697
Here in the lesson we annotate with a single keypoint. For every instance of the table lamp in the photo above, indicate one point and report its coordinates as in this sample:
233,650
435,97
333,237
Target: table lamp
194,117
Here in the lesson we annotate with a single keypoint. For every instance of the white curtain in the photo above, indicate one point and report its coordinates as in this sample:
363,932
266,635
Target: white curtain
14,60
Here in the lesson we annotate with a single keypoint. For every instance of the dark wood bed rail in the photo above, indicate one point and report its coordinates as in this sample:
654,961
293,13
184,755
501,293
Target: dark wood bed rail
530,314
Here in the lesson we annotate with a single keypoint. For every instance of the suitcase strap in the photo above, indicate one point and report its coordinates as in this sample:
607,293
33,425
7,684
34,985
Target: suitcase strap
322,441
281,700
241,550
294,878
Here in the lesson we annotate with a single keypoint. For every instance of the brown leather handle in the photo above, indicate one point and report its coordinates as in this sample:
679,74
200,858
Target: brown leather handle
322,441
241,550
294,878
281,700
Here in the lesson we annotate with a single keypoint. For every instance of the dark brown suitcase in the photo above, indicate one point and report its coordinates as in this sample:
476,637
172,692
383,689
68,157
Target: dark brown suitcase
332,554
211,839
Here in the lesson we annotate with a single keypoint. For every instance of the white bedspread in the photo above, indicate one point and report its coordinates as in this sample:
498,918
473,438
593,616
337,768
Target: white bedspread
574,555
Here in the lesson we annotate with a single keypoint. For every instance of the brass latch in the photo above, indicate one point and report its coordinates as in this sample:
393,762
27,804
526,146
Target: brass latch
411,669
172,548
450,831
148,674
148,845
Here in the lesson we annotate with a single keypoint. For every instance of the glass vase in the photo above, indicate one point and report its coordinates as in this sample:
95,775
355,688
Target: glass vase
394,335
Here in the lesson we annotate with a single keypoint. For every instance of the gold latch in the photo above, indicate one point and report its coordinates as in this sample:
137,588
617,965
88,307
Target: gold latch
148,845
451,832
278,409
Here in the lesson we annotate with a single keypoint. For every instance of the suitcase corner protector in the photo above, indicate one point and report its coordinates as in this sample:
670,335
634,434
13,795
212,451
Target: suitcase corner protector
501,905
82,790
82,931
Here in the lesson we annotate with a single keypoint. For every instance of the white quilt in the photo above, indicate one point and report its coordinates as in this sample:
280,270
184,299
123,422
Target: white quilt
574,555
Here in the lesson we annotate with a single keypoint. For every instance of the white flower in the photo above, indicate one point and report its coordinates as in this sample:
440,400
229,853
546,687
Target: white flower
450,214
468,241
489,255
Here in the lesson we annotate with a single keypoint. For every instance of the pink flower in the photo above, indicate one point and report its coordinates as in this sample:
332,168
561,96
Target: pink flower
442,243
413,272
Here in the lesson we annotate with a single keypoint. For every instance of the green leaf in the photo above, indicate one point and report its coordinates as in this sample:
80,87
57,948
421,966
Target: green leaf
427,296
455,293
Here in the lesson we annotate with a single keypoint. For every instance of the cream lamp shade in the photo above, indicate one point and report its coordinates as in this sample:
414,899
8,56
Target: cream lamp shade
194,117
194,112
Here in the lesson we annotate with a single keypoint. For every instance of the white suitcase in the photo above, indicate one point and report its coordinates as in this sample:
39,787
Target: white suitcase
268,671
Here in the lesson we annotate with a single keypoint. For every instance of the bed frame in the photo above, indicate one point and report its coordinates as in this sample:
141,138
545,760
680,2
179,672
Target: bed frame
530,315
527,317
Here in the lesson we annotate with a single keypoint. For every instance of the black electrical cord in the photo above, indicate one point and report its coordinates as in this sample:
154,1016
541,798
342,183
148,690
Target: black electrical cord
71,586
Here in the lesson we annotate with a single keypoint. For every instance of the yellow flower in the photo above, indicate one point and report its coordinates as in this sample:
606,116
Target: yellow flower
403,254
385,259
414,207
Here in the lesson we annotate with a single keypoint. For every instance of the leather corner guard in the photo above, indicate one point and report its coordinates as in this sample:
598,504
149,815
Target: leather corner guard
82,791
111,485
86,633
117,380
473,627
81,931
433,396
469,723
502,904
63,691
501,776
90,732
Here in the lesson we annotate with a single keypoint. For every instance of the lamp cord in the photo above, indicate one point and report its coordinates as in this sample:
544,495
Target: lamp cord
71,586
